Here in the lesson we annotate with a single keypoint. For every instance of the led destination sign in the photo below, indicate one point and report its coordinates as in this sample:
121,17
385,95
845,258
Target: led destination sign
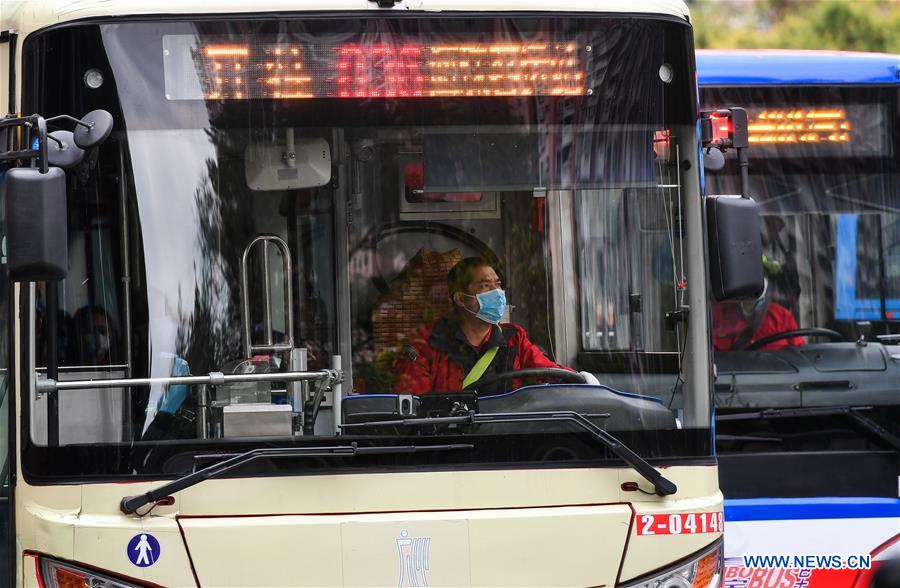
801,125
198,69
833,130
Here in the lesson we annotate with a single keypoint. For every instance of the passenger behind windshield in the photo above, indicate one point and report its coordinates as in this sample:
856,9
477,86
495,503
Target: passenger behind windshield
94,336
469,342
736,325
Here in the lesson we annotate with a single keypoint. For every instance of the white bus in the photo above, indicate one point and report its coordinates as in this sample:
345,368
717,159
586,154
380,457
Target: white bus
238,326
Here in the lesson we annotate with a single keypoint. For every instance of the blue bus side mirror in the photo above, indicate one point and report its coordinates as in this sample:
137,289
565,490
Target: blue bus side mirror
37,221
732,222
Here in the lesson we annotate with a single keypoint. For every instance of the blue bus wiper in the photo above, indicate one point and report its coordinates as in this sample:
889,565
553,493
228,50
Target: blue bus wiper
663,486
130,504
854,413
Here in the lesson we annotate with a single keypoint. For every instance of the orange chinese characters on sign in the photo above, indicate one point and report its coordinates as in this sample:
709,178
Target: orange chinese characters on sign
801,125
380,71
270,70
504,70
389,69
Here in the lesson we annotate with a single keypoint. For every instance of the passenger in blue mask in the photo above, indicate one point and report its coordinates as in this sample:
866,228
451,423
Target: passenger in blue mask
470,341
94,336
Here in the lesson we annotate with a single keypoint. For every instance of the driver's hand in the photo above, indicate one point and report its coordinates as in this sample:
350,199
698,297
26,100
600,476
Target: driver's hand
590,378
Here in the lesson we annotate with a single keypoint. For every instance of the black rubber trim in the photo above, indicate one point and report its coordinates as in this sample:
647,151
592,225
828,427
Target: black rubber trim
607,464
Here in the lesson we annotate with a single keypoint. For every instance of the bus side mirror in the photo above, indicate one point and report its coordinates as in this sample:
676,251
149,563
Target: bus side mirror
735,248
36,217
37,225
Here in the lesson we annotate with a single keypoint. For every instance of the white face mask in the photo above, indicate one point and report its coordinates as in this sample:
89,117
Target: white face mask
751,307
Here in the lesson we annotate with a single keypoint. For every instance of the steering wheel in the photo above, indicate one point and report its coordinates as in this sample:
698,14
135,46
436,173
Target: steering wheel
558,373
812,332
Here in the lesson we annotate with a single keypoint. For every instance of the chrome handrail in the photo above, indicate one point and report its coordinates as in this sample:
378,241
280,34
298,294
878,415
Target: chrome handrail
45,385
269,345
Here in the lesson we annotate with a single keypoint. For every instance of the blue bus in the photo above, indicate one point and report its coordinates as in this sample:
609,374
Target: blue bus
808,376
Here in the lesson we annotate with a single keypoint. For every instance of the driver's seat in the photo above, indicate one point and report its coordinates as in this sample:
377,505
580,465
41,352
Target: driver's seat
418,295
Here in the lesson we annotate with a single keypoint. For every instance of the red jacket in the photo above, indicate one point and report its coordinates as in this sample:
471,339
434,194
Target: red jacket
438,357
729,323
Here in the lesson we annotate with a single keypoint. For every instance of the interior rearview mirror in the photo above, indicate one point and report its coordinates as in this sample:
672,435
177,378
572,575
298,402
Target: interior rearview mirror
735,248
36,220
301,163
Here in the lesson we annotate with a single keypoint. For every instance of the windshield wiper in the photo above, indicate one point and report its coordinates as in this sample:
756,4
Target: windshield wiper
855,413
663,486
130,504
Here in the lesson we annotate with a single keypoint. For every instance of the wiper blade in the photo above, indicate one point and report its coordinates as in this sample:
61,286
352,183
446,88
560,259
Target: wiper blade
130,504
786,413
663,486
855,413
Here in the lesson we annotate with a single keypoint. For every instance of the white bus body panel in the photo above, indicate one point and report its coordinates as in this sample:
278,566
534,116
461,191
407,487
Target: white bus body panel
30,16
560,527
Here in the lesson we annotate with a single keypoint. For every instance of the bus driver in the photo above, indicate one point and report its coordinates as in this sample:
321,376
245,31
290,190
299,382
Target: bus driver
469,341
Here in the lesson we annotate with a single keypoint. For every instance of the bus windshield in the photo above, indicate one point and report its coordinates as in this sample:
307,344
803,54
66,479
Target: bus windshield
825,169
422,203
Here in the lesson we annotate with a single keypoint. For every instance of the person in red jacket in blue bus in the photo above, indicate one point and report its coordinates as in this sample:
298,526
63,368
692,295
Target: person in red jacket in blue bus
737,325
470,341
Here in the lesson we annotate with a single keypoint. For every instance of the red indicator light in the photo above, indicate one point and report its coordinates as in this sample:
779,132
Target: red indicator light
721,127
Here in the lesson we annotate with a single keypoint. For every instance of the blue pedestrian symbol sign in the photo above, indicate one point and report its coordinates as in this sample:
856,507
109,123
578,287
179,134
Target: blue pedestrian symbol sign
143,550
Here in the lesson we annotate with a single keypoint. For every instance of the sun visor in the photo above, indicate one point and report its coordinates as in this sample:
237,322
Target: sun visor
480,161
559,158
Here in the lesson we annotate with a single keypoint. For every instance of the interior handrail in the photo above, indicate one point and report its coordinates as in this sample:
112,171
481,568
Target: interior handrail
45,385
270,345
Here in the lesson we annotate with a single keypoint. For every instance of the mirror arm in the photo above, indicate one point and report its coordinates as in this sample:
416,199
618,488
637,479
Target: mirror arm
57,141
744,166
53,119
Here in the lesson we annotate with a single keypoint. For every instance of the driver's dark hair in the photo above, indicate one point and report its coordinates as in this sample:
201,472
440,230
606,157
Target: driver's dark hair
460,275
